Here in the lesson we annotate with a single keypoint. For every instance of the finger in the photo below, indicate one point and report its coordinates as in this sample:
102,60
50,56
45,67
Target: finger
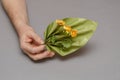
37,39
51,54
29,40
38,56
30,55
38,49
32,48
28,47
41,55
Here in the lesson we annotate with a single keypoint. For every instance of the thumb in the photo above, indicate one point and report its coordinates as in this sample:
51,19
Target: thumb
37,39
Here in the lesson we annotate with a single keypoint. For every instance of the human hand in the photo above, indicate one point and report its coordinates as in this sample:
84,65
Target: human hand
33,45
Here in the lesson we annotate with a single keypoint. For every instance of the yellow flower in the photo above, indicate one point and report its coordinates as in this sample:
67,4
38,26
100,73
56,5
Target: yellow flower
67,28
74,33
60,22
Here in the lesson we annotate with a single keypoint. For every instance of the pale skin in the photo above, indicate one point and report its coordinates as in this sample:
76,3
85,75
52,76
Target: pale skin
30,42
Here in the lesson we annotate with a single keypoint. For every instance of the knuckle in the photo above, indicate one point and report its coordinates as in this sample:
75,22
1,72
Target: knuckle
33,51
42,47
23,47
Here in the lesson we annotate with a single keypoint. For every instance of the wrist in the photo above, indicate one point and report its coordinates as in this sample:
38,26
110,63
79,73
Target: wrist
21,28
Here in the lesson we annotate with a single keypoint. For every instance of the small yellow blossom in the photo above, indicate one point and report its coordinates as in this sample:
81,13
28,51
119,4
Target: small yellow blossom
60,22
67,28
74,33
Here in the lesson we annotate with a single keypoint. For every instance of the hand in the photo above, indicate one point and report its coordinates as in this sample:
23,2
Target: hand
33,45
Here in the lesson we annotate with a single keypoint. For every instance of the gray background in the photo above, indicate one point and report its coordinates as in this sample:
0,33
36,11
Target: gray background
98,60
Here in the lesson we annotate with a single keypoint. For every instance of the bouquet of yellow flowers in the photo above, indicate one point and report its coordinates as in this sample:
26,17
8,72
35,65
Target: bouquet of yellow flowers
65,36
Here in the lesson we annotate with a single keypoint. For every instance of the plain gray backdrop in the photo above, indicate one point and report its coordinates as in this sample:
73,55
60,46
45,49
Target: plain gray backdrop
98,60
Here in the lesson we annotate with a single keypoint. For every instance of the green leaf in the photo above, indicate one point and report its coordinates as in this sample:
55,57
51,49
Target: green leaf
66,43
62,43
52,39
50,29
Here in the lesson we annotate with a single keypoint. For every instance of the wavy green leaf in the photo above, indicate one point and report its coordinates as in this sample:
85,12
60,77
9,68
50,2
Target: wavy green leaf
62,43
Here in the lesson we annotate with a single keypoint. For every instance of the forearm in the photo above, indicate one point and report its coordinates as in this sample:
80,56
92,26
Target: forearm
16,10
